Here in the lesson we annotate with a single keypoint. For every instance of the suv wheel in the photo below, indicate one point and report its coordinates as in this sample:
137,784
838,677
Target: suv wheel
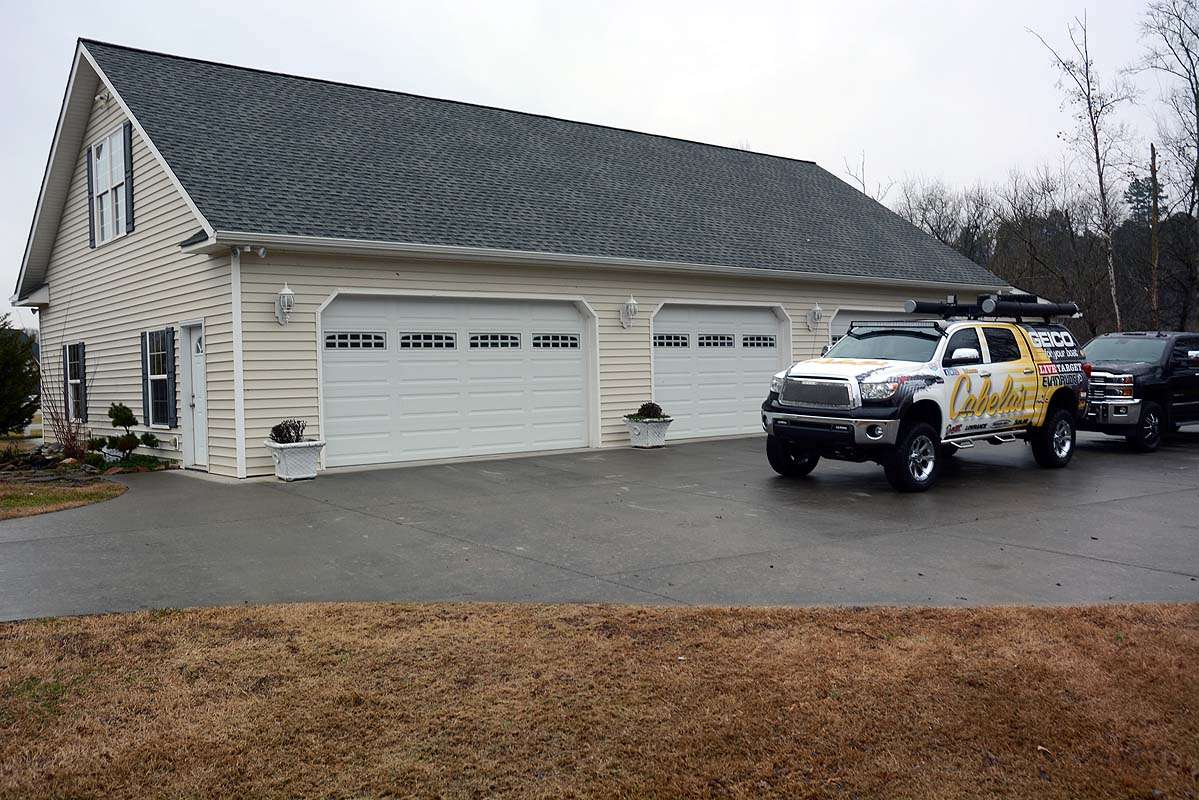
916,463
1053,442
1148,434
788,460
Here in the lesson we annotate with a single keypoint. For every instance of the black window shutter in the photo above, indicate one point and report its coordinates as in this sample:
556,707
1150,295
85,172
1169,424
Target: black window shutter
172,406
91,204
128,177
66,382
145,380
82,382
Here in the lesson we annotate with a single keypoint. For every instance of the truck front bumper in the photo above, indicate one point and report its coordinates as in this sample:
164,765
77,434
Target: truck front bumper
1111,414
833,431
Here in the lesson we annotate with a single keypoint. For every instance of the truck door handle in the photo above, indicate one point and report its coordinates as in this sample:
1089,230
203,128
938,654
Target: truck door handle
1029,371
984,374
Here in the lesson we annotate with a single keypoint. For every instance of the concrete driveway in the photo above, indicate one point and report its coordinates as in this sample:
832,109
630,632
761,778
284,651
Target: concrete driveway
704,523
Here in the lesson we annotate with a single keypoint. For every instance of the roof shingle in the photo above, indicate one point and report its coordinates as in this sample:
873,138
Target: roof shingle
261,152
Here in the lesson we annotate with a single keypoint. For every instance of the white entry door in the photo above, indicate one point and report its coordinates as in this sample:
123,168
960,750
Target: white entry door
712,367
198,400
419,378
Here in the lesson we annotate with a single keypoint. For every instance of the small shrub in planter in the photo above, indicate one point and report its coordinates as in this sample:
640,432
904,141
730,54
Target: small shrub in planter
296,458
647,427
149,440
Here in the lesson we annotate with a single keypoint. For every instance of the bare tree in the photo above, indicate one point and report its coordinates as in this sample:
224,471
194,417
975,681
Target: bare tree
964,220
1097,133
858,173
1171,32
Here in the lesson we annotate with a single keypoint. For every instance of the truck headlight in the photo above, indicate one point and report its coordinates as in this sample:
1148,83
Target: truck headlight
880,391
776,384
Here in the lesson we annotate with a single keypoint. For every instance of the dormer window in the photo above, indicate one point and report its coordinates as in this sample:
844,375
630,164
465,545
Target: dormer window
109,166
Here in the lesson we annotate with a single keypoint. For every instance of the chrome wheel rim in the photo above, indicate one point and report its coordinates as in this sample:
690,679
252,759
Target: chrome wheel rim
1151,428
922,456
1063,442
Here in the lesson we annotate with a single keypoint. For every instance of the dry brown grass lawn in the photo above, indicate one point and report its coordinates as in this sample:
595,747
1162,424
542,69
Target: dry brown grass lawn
27,499
586,701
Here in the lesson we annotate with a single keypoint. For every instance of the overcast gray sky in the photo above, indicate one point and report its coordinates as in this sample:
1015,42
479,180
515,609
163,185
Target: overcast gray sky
956,90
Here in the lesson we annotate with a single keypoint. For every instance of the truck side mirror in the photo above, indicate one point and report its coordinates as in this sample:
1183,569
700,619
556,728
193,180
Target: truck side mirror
964,355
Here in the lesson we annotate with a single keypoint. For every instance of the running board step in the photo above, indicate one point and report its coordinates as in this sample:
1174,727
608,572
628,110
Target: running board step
965,445
1002,438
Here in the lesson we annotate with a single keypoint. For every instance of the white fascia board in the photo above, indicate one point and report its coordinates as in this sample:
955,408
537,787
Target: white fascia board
149,142
362,247
51,163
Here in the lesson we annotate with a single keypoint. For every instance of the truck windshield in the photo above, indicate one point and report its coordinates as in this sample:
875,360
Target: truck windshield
1125,348
892,345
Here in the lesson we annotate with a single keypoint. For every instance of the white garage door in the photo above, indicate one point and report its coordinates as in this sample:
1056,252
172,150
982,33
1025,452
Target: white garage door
712,367
416,378
838,326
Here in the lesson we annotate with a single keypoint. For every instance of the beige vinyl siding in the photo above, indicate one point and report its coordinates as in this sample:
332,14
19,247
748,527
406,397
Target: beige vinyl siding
140,281
281,362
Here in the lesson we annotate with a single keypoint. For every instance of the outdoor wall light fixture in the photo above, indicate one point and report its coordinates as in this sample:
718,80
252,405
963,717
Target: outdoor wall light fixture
285,301
628,310
815,314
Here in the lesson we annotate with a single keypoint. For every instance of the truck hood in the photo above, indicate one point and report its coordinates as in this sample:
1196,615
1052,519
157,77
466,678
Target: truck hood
868,369
1136,368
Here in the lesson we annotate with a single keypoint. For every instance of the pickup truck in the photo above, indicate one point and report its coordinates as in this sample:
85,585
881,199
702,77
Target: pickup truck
908,394
1143,385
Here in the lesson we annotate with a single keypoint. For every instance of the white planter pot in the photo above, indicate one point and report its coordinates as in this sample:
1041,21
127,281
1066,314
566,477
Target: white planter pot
296,461
648,433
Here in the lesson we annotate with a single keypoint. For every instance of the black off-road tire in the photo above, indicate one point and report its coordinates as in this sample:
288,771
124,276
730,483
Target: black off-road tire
1152,426
788,460
1053,443
916,463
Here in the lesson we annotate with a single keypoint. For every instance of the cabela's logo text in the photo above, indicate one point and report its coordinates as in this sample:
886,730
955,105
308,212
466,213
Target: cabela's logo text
964,402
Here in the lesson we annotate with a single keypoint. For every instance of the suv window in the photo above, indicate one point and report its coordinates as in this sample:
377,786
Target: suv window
1183,347
966,337
1002,344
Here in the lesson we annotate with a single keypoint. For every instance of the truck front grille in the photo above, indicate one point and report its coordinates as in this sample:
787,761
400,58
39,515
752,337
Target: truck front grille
809,392
1104,386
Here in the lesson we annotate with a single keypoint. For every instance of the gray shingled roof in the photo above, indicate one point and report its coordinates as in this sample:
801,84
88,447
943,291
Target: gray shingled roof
267,153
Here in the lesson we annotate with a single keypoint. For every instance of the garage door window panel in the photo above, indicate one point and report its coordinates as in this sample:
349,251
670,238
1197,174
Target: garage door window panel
672,340
427,341
715,340
356,340
757,341
556,341
482,341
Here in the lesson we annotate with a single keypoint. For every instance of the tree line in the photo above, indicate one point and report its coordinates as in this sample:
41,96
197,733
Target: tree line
1116,227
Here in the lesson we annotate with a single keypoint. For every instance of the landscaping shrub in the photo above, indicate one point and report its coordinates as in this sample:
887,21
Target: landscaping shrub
95,459
289,431
149,440
97,443
122,417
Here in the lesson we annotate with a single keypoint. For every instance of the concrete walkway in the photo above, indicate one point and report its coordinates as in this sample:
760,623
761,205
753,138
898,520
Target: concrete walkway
704,523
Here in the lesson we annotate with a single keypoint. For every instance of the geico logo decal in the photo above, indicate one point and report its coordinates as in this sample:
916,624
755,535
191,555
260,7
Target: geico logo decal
1046,339
964,402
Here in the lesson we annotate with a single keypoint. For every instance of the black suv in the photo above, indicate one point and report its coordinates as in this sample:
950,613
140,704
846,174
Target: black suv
1143,385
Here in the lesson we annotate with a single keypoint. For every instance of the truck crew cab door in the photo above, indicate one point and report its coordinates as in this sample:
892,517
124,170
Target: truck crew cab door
1013,374
1184,379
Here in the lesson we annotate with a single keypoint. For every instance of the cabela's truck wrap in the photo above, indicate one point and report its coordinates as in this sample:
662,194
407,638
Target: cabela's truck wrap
907,394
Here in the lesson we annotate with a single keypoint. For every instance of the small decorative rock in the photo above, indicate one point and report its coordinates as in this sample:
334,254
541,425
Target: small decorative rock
113,471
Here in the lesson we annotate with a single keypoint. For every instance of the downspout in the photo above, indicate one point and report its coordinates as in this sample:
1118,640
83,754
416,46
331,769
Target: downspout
239,382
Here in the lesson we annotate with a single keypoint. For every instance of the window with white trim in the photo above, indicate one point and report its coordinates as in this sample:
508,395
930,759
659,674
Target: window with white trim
715,340
74,377
158,375
487,340
108,185
672,340
568,341
427,341
356,340
757,340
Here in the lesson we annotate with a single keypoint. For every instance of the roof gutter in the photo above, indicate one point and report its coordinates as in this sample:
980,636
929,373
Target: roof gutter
222,240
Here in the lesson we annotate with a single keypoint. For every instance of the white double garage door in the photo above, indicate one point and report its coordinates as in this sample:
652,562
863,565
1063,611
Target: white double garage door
405,378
